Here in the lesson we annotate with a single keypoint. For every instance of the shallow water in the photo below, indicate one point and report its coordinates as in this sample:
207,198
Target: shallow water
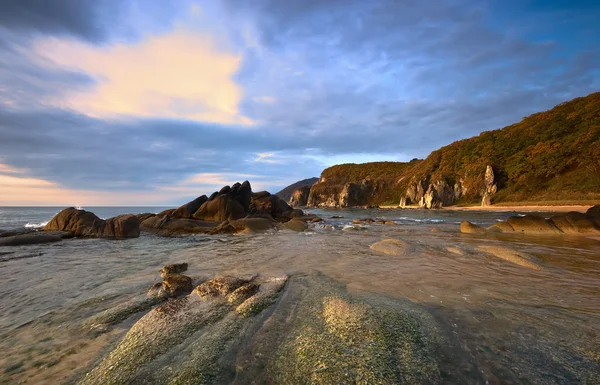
509,323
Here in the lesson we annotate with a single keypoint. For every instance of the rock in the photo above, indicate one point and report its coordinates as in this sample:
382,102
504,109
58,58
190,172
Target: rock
346,195
470,228
223,228
86,224
221,208
391,247
174,268
35,237
295,224
300,197
501,227
402,203
188,209
266,296
252,225
144,216
532,224
166,212
594,212
175,285
167,225
363,221
297,213
220,286
242,293
228,204
263,201
337,217
574,222
490,186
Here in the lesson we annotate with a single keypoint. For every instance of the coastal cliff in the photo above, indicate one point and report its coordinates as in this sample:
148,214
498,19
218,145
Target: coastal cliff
548,156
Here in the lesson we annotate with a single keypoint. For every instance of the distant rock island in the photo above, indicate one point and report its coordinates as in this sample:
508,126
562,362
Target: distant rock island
548,156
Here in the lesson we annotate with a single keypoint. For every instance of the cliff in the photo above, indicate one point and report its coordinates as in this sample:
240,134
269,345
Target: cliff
548,156
286,193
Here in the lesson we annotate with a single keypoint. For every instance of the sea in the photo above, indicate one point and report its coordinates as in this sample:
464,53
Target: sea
504,321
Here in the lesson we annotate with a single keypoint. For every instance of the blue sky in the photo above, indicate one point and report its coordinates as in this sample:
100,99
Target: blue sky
156,102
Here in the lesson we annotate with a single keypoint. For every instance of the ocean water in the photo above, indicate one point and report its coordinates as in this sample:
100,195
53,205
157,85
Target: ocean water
503,321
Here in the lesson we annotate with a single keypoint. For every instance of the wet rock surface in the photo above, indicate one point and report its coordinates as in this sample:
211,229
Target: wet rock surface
567,223
34,237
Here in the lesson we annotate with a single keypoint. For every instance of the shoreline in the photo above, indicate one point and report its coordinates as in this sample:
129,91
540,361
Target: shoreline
507,208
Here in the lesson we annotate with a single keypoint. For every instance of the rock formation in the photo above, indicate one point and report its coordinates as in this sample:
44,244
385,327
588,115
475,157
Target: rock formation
300,197
83,223
490,187
227,204
188,209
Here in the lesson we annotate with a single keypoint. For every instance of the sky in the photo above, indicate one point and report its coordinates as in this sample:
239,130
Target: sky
138,102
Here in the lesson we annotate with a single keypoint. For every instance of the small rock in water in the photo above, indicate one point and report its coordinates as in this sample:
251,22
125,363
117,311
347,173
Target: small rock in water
176,284
470,228
219,286
174,268
391,247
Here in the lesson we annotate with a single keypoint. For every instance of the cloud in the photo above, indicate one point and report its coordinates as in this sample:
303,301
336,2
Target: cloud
178,75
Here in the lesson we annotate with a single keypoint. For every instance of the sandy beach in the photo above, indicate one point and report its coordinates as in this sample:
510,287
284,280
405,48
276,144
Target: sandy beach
508,208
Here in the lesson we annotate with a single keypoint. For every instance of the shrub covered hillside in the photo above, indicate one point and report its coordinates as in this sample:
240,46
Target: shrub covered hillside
548,156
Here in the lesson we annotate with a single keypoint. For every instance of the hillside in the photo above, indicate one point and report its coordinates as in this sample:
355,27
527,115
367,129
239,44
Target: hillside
287,192
548,156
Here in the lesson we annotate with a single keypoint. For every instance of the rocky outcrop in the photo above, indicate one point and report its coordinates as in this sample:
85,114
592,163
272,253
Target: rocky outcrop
188,209
490,187
300,197
174,268
264,202
83,223
286,193
567,223
594,212
227,204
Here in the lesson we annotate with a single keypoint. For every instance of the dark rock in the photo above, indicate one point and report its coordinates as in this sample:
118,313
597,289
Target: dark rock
86,224
227,204
174,268
337,217
223,228
252,225
263,201
188,209
35,237
167,225
594,212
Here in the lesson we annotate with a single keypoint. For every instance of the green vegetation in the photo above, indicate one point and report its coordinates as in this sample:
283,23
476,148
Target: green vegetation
548,156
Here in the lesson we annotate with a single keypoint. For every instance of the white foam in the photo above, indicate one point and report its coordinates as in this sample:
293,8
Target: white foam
35,225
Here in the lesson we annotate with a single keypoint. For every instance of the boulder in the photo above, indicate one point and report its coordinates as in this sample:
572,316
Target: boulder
35,237
86,224
175,285
220,286
532,224
174,268
300,197
594,212
490,186
574,222
470,228
295,224
501,227
166,212
188,209
263,201
168,225
223,228
391,247
227,204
